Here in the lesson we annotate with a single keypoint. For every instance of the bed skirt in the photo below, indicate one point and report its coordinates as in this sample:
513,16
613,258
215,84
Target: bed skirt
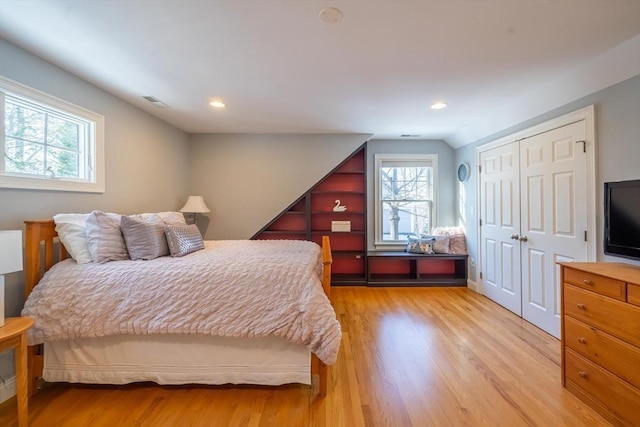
177,359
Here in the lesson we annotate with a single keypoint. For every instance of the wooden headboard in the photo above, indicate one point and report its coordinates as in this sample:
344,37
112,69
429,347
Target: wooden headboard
42,251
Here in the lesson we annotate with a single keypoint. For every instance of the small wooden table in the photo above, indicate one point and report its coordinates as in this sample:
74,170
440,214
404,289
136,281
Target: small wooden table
14,334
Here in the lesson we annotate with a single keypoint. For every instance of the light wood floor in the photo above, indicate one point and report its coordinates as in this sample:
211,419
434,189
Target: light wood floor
409,357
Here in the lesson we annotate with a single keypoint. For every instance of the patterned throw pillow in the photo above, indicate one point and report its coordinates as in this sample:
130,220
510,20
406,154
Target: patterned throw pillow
144,236
183,239
104,237
457,239
441,244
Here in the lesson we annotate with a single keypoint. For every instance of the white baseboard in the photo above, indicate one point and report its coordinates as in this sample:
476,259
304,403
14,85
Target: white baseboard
473,286
7,389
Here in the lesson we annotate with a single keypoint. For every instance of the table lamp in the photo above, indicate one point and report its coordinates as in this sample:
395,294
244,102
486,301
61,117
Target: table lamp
195,205
10,260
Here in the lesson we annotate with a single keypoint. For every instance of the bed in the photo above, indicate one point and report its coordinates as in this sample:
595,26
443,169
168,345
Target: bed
175,351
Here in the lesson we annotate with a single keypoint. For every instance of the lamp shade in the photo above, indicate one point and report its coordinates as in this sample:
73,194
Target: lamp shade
10,251
195,204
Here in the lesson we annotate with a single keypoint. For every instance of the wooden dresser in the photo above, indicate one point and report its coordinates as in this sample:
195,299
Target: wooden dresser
601,337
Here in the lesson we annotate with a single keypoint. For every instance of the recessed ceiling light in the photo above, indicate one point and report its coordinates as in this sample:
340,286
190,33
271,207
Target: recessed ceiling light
330,15
438,106
217,104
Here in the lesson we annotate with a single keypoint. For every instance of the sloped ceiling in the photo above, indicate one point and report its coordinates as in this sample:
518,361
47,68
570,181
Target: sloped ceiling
280,69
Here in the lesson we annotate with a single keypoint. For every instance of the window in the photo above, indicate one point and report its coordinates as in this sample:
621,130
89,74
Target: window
47,143
405,196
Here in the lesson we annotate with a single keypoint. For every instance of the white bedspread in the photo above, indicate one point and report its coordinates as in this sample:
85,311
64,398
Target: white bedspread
236,288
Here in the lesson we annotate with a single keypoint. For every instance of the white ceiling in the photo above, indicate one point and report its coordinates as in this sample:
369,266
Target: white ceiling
281,70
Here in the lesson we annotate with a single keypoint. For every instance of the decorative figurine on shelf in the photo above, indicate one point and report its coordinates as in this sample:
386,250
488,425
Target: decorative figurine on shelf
338,207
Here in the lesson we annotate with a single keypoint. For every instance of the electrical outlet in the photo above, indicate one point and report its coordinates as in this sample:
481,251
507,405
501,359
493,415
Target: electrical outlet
472,261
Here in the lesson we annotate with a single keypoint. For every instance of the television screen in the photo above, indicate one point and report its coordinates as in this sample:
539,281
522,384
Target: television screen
622,218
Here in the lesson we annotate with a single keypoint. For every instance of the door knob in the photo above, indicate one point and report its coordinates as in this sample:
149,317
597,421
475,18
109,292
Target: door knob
515,236
524,238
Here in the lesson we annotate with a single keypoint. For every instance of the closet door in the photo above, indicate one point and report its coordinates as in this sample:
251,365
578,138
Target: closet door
553,218
500,214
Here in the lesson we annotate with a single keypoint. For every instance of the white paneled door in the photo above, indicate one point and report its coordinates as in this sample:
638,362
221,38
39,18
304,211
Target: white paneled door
500,214
534,214
553,218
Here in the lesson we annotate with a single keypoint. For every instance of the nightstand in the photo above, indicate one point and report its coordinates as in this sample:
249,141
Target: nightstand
14,334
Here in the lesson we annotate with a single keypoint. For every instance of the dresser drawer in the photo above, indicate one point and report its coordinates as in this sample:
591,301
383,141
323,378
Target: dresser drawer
617,318
633,294
617,395
607,351
593,282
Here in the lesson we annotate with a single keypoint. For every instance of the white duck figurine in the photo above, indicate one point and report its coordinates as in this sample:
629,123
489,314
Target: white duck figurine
338,207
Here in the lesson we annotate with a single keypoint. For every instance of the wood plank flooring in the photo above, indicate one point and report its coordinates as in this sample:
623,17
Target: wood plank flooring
409,357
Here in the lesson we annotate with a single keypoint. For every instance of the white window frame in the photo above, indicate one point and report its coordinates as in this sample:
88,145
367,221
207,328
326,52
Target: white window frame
379,159
93,157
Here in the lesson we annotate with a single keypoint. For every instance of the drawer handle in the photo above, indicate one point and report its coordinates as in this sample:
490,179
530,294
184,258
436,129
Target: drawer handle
587,282
581,306
582,340
582,374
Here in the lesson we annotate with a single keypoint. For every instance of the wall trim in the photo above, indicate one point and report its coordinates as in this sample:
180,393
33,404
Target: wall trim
472,285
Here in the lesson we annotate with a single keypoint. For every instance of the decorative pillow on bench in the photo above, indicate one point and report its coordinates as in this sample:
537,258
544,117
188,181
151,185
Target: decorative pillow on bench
441,244
457,240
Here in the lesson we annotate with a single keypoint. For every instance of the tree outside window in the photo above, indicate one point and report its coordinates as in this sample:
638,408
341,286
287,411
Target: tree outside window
405,197
47,143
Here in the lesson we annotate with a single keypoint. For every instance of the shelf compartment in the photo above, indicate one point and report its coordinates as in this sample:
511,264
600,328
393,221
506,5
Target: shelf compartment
436,266
354,164
342,241
291,221
324,202
342,183
348,279
299,207
348,263
322,220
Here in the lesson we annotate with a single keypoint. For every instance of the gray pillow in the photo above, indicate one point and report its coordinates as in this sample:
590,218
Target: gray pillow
104,237
144,236
183,239
441,244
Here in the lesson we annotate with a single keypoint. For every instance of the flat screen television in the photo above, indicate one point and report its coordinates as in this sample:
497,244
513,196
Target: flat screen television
622,218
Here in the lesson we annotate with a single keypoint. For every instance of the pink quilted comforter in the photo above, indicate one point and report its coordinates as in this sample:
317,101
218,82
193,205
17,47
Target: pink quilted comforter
236,288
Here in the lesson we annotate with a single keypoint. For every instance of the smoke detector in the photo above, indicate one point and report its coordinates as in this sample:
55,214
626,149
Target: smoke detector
330,15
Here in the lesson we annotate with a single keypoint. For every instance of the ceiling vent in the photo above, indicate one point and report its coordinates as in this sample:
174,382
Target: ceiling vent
155,101
408,135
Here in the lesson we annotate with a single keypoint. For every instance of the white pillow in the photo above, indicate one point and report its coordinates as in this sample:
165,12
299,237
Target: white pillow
168,218
72,234
441,244
104,237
